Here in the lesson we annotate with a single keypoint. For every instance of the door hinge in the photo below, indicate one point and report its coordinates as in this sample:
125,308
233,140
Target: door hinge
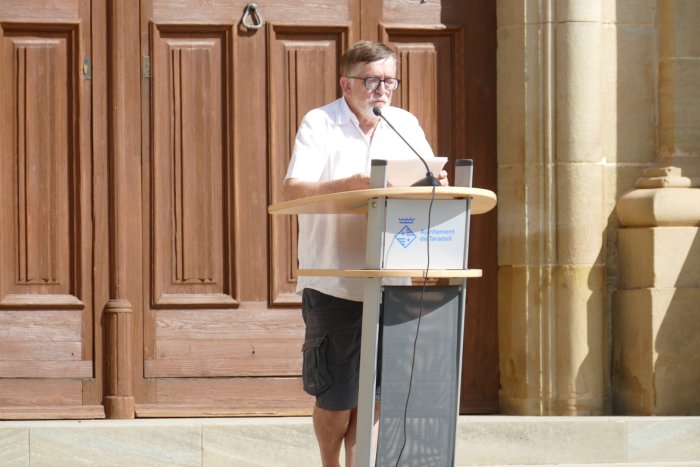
146,66
87,68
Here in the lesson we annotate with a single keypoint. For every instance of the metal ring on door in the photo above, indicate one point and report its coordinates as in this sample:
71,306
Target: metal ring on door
251,11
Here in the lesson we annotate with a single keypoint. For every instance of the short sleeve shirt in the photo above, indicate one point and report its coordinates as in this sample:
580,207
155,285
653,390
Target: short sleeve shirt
329,145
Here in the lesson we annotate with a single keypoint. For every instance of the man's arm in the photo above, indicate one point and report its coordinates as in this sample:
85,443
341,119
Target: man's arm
295,188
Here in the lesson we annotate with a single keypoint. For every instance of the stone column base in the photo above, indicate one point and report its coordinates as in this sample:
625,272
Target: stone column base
656,318
656,364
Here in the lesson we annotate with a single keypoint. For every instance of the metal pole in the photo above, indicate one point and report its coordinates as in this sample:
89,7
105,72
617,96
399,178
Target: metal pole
370,319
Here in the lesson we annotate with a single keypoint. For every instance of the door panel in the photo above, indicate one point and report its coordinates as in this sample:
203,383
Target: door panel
240,342
220,287
190,181
37,175
46,308
196,397
431,69
304,61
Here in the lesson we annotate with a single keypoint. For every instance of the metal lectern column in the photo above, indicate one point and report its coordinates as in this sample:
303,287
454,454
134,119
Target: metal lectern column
376,226
370,319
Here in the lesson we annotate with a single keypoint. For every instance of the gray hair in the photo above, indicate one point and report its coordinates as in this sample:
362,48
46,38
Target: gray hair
363,52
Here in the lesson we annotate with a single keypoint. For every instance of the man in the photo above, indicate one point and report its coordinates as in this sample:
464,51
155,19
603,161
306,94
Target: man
332,152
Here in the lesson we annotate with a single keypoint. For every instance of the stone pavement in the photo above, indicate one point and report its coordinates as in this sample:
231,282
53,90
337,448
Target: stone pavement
481,441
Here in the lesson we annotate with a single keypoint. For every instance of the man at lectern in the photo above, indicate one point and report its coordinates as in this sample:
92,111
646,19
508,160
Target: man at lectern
333,151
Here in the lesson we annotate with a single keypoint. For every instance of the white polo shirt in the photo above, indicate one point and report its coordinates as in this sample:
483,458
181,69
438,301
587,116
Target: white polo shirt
330,145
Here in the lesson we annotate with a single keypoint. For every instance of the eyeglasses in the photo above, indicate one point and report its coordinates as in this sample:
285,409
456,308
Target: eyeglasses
372,83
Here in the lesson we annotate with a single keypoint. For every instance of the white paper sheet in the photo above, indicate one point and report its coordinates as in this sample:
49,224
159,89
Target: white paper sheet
406,172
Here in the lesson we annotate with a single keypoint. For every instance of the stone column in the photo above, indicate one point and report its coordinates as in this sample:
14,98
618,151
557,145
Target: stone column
552,207
656,337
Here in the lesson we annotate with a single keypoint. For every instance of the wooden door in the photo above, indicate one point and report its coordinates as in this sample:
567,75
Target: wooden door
47,311
157,277
222,328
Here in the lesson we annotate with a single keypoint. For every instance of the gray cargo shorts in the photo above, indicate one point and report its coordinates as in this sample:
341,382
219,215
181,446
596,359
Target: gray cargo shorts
331,351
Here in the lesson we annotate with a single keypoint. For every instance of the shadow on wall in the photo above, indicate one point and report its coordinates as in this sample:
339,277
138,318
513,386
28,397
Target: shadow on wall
677,366
634,144
593,392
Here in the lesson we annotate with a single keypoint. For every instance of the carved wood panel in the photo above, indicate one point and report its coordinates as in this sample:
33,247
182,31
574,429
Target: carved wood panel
431,68
46,333
190,180
253,342
200,326
40,157
304,61
189,342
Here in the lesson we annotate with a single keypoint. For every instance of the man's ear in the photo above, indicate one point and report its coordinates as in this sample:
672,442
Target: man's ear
345,85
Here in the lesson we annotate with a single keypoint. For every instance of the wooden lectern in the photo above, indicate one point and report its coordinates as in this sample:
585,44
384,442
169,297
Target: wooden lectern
412,232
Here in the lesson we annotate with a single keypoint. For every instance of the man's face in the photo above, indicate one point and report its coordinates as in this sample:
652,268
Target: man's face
360,99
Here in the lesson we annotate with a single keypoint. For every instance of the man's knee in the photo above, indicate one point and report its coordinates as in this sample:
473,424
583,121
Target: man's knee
335,418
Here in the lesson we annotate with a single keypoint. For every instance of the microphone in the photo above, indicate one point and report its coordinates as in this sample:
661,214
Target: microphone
429,179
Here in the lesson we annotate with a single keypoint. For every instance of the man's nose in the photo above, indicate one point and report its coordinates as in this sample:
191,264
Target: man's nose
381,89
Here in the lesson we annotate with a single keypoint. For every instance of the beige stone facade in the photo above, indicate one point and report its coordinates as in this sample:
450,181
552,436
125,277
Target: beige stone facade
599,206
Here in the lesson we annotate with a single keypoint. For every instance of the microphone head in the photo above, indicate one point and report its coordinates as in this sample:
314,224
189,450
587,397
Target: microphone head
377,111
429,180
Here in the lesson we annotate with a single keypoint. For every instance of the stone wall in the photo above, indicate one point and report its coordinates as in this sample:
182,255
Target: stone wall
656,365
590,94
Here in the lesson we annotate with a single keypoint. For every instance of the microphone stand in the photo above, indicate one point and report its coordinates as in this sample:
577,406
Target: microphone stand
429,179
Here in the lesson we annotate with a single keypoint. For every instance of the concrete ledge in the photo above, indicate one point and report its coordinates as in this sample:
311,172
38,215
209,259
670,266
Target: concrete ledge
482,440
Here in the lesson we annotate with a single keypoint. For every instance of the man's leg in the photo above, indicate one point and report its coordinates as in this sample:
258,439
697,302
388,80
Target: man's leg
351,437
332,352
331,428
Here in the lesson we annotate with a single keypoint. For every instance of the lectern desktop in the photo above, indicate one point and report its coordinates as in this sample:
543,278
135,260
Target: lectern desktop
412,232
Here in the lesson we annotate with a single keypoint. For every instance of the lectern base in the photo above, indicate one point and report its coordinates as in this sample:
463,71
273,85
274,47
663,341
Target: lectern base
420,364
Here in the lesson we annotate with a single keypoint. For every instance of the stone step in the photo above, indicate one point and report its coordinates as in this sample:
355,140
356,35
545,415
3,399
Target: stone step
481,441
635,464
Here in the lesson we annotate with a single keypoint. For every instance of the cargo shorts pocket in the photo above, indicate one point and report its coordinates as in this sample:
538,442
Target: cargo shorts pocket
315,372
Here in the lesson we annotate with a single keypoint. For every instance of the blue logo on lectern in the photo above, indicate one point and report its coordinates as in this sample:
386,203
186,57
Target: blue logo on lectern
405,236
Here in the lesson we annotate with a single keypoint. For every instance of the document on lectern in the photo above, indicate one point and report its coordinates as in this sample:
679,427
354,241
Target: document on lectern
406,172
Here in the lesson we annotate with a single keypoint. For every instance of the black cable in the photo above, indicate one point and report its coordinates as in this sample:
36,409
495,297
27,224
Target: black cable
415,340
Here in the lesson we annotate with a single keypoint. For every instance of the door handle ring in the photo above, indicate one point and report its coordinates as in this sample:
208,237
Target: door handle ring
251,12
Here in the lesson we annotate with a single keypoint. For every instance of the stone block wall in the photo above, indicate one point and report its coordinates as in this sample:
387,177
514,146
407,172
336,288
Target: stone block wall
657,322
591,93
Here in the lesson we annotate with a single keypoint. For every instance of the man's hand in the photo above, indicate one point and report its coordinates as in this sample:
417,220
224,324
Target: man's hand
356,182
295,188
442,178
